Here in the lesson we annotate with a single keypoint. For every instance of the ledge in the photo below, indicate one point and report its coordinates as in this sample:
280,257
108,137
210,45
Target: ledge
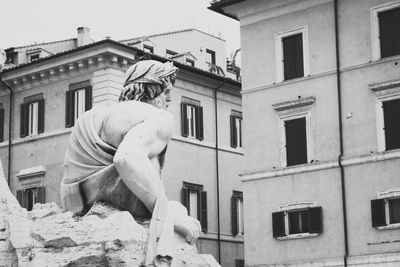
389,227
297,236
294,103
30,172
384,85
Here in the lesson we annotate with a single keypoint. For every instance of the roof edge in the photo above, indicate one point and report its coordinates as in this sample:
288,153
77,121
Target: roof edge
218,7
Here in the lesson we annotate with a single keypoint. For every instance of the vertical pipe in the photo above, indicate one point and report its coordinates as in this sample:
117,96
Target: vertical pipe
217,171
342,174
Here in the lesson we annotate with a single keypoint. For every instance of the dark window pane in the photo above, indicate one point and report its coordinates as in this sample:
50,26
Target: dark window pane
293,56
394,210
389,32
391,111
296,141
298,222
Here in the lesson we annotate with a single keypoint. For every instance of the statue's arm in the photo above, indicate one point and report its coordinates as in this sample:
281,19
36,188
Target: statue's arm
133,157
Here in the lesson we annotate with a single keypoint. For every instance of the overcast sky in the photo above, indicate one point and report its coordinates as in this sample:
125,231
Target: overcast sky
24,22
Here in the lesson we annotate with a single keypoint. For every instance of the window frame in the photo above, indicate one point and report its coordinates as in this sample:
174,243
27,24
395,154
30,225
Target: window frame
198,121
279,36
202,212
70,101
375,31
236,140
213,56
25,115
189,62
148,49
386,196
236,220
170,53
39,197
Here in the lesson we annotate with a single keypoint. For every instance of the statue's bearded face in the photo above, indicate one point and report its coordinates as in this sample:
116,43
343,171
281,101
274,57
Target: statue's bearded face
162,101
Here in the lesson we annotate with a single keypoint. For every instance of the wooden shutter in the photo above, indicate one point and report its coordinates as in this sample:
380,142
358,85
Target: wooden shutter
69,110
24,120
315,220
185,197
293,56
203,211
278,224
389,32
391,111
199,123
41,116
41,195
88,98
233,132
378,213
20,197
184,121
296,141
234,216
1,124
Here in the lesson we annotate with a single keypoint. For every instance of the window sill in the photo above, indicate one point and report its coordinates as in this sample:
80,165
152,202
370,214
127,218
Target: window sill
389,227
297,236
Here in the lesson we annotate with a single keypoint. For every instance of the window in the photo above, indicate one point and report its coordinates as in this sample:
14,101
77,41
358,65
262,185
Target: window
190,62
237,213
295,124
34,57
236,129
292,54
29,197
32,116
385,23
1,123
239,263
296,221
78,100
210,56
385,210
192,119
195,200
391,112
148,49
170,53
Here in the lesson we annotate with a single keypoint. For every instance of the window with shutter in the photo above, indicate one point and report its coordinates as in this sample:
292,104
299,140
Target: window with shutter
78,100
195,200
293,56
236,129
278,224
192,119
30,196
1,124
32,117
389,32
394,210
391,113
296,141
237,213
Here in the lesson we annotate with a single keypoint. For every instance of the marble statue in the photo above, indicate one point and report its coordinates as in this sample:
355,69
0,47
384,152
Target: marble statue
115,155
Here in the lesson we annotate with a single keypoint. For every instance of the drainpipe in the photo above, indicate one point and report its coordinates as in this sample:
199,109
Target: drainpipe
342,174
217,171
9,131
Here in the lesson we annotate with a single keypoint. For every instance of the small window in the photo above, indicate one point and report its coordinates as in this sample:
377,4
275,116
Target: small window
290,223
78,100
148,49
1,123
194,198
293,56
236,129
296,141
210,56
190,62
34,57
385,211
170,53
29,197
32,116
389,32
192,119
391,113
239,263
237,213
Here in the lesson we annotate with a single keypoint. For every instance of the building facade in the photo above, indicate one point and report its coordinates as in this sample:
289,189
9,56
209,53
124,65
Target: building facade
321,112
203,159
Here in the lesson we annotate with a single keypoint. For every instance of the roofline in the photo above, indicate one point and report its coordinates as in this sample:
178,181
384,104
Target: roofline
219,7
44,43
137,50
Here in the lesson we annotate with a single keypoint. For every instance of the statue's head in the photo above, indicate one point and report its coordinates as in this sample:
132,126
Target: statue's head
149,81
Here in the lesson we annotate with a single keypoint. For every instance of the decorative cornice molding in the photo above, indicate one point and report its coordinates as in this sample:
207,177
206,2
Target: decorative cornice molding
301,102
379,86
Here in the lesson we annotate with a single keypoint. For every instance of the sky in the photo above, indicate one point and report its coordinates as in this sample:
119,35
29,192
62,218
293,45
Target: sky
24,22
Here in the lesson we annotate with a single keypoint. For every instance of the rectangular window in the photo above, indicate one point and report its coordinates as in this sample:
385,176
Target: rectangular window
210,56
239,263
148,49
237,217
297,221
192,119
34,57
32,116
385,211
194,198
190,62
391,113
236,129
29,197
296,141
389,32
1,123
293,56
78,99
170,53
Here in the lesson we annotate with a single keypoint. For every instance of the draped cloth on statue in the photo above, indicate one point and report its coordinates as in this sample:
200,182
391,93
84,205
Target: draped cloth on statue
89,175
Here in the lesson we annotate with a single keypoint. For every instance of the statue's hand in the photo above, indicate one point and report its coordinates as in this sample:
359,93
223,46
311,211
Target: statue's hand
188,227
